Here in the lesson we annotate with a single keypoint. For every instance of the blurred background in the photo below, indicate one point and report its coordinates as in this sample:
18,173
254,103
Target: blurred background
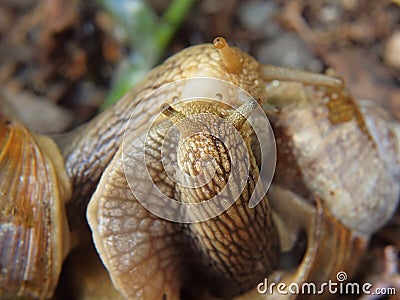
64,61
72,58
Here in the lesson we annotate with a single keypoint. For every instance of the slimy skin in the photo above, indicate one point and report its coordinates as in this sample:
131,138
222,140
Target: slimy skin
152,258
149,257
239,246
337,182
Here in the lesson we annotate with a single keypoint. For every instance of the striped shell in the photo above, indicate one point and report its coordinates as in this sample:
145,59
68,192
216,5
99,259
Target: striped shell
34,235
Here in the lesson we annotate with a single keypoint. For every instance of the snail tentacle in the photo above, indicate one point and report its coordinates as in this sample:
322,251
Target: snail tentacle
324,148
231,61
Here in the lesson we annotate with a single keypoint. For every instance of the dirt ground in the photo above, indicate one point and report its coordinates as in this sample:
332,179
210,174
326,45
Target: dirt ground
58,57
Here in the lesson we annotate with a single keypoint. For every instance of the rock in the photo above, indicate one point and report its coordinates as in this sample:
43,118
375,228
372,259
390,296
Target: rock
37,113
258,16
288,50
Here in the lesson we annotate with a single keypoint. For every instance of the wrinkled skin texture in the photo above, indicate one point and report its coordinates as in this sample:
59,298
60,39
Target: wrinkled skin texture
141,258
314,194
159,250
337,182
90,148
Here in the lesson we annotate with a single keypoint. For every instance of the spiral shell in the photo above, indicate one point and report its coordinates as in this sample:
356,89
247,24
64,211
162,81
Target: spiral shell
333,155
34,236
385,130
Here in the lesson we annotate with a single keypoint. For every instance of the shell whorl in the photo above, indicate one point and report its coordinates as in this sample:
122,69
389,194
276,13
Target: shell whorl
34,235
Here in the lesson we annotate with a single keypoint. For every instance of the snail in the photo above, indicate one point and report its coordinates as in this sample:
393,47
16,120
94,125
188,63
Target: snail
316,190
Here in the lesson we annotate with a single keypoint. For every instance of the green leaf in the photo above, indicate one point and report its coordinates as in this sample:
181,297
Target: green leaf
147,35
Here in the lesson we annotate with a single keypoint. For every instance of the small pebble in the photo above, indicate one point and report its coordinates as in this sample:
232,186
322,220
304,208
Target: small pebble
288,50
392,51
350,5
38,113
329,14
258,16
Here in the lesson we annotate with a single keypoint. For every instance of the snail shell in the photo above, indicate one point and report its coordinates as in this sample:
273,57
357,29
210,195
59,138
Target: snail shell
34,236
334,155
385,130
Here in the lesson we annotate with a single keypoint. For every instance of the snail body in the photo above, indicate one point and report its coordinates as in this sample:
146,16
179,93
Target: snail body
90,148
238,233
242,231
214,264
355,213
320,131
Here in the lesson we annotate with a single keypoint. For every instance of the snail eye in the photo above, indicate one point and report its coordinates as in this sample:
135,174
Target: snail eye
230,59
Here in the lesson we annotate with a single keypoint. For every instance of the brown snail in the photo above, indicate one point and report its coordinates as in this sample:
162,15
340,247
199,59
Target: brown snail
152,258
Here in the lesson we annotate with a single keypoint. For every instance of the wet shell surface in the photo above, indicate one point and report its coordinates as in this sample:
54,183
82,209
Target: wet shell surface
33,229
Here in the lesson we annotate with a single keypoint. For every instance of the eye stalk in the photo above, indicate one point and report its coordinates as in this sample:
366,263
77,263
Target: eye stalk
229,57
238,116
170,112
